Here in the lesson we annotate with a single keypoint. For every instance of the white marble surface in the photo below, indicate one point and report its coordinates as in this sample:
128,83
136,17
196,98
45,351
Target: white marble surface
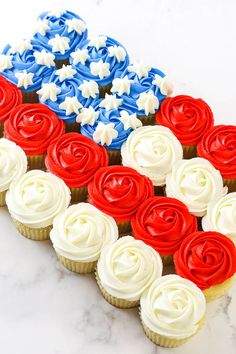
45,308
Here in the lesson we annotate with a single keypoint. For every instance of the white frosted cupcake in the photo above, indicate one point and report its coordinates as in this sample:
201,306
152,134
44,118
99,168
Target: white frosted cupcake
34,200
79,234
125,270
221,216
152,151
13,164
172,310
196,183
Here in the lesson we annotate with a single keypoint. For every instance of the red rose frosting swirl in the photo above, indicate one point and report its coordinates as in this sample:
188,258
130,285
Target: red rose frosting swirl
75,158
187,117
163,223
206,258
10,97
118,191
218,145
33,127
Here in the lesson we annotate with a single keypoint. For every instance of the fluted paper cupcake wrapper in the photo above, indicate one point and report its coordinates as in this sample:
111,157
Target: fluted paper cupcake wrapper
114,157
120,303
1,129
230,183
189,151
78,194
104,89
36,162
30,97
78,267
216,291
3,198
124,227
37,234
72,127
60,62
148,120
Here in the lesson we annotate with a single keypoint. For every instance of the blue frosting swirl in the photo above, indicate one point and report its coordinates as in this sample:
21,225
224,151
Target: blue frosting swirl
101,54
59,26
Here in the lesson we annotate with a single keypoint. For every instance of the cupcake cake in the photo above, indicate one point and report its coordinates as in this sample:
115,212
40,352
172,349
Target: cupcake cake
188,118
142,88
75,158
218,145
173,309
125,270
196,183
59,32
163,223
79,235
100,59
34,200
118,191
13,164
33,127
209,260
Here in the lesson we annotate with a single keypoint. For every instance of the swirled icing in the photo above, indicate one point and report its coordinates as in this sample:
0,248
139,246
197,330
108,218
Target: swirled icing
10,97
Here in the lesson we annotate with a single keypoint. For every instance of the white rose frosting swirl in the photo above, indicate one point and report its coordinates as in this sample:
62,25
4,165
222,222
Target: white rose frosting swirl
128,267
196,183
81,232
173,307
36,198
221,216
13,163
152,151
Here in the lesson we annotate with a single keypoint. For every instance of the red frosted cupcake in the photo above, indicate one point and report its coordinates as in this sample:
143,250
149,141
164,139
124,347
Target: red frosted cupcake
163,223
209,260
188,118
218,145
118,191
33,127
75,159
10,97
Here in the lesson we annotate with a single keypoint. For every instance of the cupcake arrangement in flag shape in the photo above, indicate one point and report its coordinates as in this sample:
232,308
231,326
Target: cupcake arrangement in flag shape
124,178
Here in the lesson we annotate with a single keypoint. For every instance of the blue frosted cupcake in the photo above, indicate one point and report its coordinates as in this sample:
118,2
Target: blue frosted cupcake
26,66
66,93
59,32
142,89
100,59
109,124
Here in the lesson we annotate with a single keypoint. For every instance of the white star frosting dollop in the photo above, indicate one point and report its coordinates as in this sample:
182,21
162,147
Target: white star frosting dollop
44,58
42,27
57,13
121,86
59,43
118,52
80,56
165,85
21,46
89,89
105,133
49,91
140,69
87,116
110,102
76,25
98,42
71,105
147,102
130,120
100,69
24,79
66,72
5,62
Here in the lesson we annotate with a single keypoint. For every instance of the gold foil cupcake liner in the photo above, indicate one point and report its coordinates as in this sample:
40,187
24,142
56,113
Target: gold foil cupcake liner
72,127
60,62
3,198
114,157
35,234
78,194
36,162
124,227
189,151
148,120
216,291
30,97
230,183
78,267
104,89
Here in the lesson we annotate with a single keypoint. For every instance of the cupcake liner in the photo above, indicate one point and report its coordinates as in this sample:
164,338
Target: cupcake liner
124,227
35,234
72,127
78,194
104,89
159,190
1,129
148,120
120,303
36,162
230,183
216,291
78,267
114,157
167,259
60,62
3,198
30,97
189,151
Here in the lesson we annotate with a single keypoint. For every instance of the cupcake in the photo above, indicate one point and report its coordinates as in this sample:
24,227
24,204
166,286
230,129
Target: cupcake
13,164
188,118
221,216
118,191
79,234
142,88
100,59
33,127
218,145
66,93
59,32
108,124
125,270
152,151
34,200
75,158
26,66
196,183
10,97
173,309
209,260
163,223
